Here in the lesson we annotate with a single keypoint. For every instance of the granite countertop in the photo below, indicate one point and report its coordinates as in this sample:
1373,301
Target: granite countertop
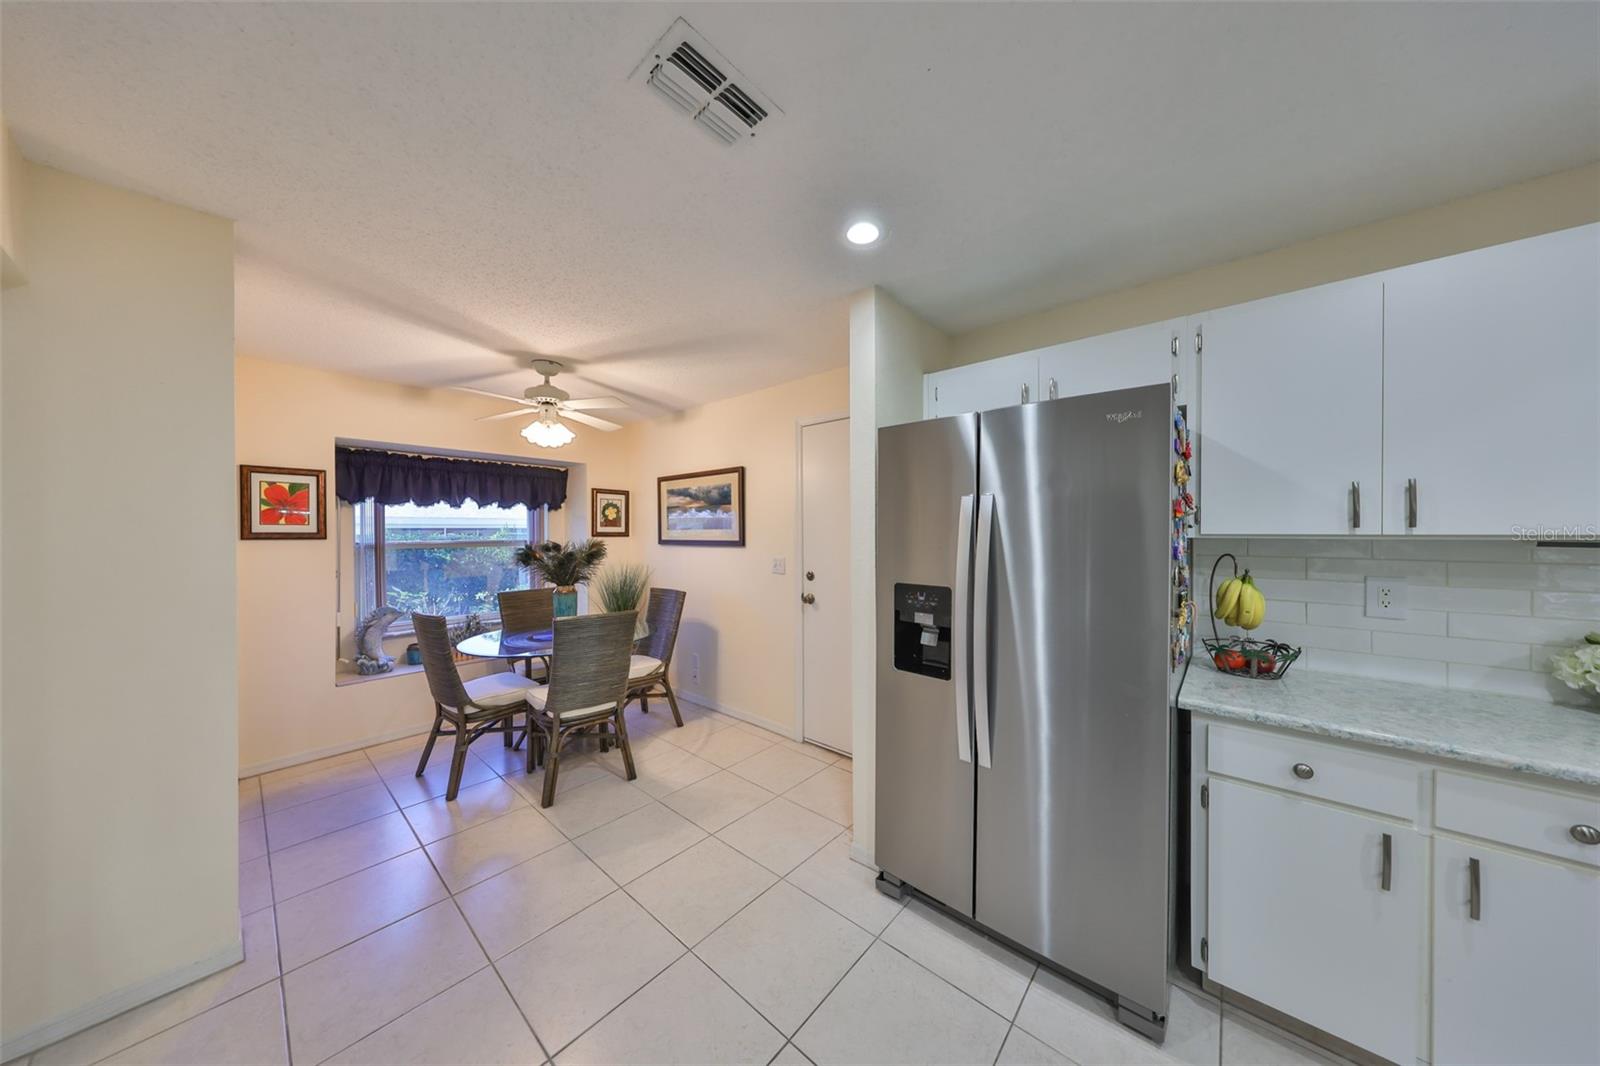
1506,732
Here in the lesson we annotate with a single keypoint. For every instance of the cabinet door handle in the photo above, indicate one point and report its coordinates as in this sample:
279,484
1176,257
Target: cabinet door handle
1474,891
1585,834
1303,771
1411,503
1386,874
1051,393
1355,505
1024,393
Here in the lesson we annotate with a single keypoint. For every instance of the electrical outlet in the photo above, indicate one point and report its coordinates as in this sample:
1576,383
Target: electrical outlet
694,667
1387,597
780,565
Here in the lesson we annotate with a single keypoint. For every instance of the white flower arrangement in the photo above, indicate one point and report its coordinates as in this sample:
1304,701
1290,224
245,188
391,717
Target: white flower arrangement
1579,668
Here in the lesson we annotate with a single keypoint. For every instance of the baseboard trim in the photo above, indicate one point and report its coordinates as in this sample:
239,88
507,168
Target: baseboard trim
862,855
109,1006
333,749
733,712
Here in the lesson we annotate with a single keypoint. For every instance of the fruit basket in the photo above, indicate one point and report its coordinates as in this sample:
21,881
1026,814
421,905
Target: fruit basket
1244,656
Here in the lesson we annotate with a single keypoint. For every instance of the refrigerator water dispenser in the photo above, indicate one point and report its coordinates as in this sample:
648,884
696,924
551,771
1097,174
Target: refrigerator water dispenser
922,630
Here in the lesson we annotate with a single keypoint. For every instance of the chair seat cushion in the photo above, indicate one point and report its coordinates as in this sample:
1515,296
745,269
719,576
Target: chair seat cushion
642,666
541,694
499,690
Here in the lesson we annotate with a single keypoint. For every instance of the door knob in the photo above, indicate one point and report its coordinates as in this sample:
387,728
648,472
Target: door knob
811,575
1303,771
807,598
1585,834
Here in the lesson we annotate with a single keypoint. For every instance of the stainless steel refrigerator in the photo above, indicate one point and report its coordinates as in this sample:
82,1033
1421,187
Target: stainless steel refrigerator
1024,591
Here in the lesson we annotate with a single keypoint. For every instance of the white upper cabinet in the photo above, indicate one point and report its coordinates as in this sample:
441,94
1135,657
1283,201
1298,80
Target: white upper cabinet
981,386
1122,360
1291,391
1491,387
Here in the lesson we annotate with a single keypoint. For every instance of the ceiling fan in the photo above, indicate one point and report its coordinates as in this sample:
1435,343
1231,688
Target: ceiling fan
551,404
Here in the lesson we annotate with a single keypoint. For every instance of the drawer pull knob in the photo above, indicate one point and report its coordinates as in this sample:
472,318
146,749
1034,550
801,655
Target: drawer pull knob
1585,834
1303,771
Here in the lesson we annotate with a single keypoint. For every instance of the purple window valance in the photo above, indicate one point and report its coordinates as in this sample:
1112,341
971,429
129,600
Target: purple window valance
390,477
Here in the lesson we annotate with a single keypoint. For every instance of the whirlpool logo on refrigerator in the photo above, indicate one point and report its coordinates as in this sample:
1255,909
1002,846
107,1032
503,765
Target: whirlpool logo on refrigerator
1120,417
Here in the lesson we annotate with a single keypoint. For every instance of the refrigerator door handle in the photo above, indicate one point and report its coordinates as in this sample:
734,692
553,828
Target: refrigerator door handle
960,610
980,626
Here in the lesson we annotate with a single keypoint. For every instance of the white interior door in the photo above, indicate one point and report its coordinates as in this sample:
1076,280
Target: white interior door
825,583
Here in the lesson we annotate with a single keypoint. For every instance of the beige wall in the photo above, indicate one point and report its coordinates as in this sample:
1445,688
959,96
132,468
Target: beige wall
12,191
289,604
890,350
120,836
1570,198
740,618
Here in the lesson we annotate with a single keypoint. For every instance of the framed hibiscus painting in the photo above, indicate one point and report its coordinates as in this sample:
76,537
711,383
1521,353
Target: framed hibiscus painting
608,512
282,503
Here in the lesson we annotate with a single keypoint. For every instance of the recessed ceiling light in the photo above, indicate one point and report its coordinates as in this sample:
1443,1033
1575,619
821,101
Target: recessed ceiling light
862,233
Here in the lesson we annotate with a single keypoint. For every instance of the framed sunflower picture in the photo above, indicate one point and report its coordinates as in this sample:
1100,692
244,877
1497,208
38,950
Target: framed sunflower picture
282,503
609,512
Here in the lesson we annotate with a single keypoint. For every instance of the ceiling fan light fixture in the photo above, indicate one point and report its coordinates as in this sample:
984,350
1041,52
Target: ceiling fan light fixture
547,432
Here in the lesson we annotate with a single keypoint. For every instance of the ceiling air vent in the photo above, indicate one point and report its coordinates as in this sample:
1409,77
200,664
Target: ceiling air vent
699,81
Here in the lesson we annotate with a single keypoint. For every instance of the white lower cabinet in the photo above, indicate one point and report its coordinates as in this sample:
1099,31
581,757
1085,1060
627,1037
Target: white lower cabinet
1516,958
1482,943
1309,915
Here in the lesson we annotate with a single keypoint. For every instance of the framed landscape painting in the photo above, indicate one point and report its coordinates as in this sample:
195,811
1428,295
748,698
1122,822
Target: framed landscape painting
706,508
282,503
609,515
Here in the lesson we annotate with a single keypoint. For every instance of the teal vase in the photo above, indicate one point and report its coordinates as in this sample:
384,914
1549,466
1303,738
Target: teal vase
566,602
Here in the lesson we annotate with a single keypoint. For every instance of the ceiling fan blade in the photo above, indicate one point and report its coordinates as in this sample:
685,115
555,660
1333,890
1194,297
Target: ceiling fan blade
593,403
485,392
515,412
589,420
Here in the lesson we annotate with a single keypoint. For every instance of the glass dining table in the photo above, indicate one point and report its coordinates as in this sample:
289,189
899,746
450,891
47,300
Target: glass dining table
529,645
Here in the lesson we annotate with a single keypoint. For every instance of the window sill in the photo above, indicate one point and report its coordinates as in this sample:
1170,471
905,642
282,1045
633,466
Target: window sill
344,675
342,678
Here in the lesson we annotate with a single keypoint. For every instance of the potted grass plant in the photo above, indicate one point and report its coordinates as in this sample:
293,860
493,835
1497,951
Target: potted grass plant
622,587
566,566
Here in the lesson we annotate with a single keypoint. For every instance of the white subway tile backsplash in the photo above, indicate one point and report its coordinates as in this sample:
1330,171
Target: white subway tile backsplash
1452,650
1278,611
1579,555
1466,551
1307,547
1568,605
1481,614
1518,630
1472,601
1416,571
1275,588
1427,623
1259,566
1382,667
1526,576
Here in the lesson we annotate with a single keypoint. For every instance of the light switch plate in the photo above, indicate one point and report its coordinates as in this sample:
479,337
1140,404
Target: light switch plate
780,565
1387,597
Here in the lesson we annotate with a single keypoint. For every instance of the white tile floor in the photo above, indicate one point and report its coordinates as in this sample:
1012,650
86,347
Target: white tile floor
707,912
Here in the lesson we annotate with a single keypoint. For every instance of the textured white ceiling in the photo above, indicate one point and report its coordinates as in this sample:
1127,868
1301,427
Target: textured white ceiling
418,186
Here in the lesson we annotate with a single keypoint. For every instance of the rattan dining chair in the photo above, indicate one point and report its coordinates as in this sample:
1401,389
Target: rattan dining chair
528,611
647,672
488,704
588,682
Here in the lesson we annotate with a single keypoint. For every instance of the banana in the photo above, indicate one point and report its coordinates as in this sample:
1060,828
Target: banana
1227,600
1252,605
